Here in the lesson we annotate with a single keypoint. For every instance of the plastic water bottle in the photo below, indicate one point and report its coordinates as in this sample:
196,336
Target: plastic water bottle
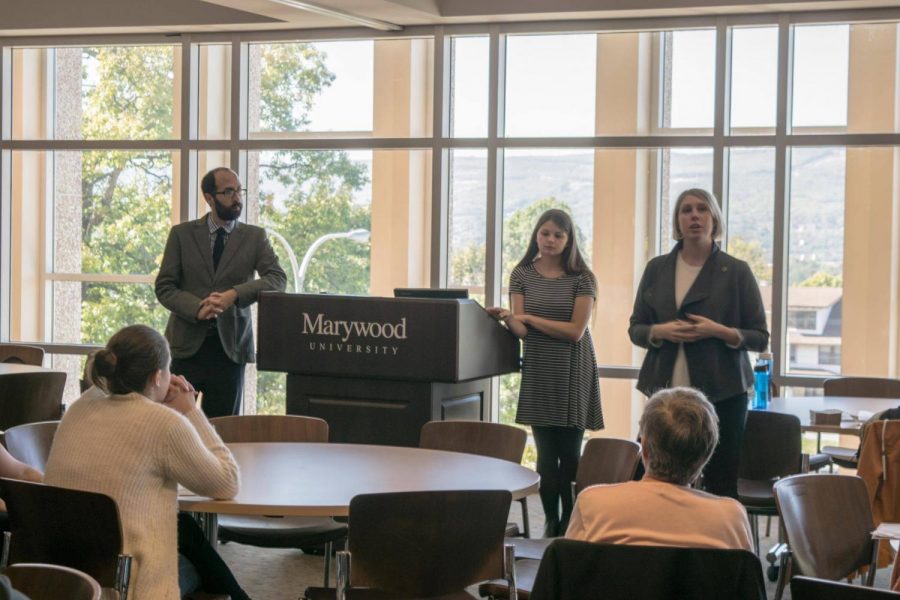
760,385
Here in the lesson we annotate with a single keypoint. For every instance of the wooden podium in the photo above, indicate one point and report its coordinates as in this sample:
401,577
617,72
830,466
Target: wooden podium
377,369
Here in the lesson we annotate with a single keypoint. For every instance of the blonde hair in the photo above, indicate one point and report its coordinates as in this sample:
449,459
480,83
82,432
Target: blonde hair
710,199
679,431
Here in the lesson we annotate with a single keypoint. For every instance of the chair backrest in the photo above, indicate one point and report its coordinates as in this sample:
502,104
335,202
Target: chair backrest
607,460
771,446
31,397
423,544
810,588
576,570
827,521
865,387
31,442
64,527
494,440
52,582
21,354
270,428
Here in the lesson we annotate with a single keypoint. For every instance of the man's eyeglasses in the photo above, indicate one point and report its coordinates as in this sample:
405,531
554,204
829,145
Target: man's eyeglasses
240,192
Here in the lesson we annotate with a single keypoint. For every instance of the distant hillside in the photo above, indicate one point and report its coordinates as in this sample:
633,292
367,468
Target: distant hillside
817,212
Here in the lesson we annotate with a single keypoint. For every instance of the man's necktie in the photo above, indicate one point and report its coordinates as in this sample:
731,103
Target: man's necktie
218,246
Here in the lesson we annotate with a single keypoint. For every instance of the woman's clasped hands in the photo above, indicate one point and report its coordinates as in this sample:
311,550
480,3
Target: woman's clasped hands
182,396
690,329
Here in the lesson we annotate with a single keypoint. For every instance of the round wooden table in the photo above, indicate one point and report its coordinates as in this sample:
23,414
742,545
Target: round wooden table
288,479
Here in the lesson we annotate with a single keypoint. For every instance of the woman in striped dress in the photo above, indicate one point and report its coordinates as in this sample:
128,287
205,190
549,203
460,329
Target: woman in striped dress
552,293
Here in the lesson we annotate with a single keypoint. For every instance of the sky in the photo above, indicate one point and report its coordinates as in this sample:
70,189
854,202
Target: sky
551,82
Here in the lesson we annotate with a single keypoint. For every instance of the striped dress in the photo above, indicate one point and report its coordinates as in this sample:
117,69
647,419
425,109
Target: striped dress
559,378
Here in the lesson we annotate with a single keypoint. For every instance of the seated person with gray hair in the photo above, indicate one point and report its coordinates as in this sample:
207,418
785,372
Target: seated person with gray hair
679,431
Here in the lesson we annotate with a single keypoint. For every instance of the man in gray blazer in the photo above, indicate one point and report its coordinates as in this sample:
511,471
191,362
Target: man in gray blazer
206,281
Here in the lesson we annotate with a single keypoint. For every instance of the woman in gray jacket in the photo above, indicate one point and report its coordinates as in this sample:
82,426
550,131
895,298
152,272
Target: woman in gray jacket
697,312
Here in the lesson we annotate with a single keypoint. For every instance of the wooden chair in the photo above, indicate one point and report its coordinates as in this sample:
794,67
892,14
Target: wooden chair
810,588
31,397
21,354
576,570
863,387
52,582
827,522
494,440
771,450
31,442
72,528
604,460
278,532
270,428
607,460
423,545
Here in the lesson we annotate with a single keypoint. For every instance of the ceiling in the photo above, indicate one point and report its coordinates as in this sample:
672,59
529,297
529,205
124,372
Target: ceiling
69,17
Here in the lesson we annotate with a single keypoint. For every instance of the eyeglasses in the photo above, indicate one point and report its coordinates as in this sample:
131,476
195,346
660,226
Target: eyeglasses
240,192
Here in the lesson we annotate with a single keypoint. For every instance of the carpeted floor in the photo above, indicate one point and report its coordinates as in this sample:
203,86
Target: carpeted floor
279,574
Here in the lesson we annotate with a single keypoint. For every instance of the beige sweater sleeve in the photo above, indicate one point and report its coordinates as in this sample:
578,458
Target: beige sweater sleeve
197,458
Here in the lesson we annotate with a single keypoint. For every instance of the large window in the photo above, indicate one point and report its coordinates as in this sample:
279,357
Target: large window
90,224
421,177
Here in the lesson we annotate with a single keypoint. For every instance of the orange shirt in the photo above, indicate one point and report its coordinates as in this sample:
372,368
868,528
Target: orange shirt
655,513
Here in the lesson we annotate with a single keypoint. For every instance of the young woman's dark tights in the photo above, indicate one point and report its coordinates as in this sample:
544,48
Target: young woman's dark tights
558,451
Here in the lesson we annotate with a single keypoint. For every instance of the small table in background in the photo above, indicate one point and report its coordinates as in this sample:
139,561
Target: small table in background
850,405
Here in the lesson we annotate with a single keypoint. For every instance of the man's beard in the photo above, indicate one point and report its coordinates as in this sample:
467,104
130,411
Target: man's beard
227,213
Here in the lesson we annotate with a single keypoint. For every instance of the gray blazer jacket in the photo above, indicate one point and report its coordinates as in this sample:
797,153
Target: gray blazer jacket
186,276
726,292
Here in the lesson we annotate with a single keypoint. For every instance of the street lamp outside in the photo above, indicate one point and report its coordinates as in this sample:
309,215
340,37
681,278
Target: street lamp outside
360,236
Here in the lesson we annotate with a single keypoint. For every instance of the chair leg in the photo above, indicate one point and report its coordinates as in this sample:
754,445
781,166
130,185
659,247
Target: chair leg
342,583
754,530
209,524
509,568
123,575
869,581
784,574
526,527
4,555
328,547
768,525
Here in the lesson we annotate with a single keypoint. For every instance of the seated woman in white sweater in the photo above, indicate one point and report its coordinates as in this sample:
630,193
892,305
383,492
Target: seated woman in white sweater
679,431
136,445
